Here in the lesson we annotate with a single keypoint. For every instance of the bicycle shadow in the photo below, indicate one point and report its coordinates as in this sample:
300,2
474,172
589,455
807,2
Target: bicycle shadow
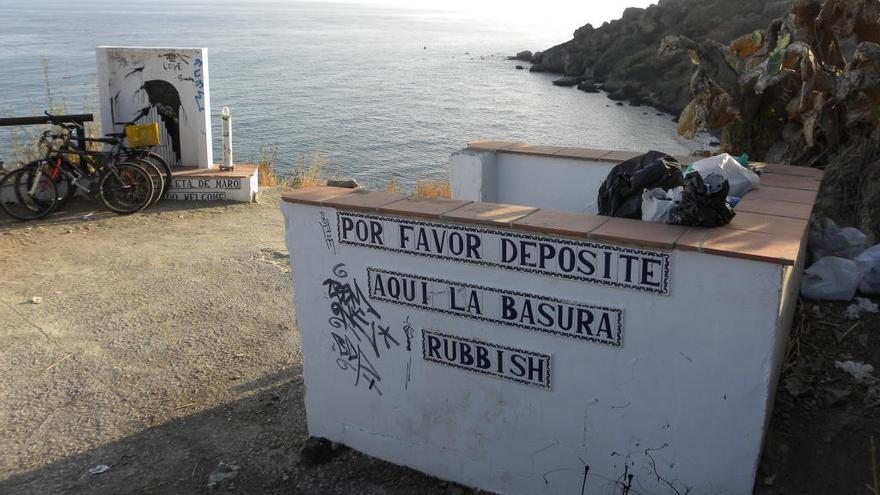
85,209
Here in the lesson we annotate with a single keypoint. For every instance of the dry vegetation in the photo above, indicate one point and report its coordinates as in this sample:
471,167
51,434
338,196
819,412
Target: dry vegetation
307,173
433,189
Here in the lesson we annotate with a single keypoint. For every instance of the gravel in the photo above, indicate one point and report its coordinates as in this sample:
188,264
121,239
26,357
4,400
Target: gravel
164,346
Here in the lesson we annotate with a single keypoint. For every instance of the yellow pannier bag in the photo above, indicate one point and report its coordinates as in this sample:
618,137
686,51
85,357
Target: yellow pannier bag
142,135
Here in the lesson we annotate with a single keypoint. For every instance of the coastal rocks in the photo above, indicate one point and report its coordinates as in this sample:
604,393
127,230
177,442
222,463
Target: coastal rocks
525,56
588,86
347,183
568,81
623,53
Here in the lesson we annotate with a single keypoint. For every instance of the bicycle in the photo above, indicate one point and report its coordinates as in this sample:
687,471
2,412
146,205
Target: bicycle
154,164
32,192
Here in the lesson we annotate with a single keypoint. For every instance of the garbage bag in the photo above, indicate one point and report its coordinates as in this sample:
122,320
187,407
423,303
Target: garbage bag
703,202
621,193
827,239
831,279
869,263
657,204
742,179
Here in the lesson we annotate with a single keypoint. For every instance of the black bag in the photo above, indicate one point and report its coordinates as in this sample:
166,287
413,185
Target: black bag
703,206
621,193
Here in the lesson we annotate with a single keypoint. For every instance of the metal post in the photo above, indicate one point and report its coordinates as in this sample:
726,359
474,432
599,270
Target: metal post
227,139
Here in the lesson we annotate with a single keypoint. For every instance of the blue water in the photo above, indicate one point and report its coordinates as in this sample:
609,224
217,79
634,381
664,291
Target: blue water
379,92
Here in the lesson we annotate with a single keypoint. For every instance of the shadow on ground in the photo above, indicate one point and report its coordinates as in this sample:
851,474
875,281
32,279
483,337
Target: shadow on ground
91,210
260,434
253,433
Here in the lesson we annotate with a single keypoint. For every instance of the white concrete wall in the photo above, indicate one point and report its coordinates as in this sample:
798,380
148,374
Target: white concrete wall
529,180
680,404
172,83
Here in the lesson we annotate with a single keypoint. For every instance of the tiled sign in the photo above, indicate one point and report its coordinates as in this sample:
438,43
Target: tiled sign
628,268
528,367
504,307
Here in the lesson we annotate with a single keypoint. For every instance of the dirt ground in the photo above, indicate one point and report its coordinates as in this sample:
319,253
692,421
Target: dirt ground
164,345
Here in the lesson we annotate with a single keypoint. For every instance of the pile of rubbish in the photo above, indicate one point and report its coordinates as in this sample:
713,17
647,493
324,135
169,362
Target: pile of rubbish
844,264
654,188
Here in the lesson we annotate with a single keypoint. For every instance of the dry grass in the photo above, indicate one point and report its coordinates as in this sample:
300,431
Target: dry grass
266,176
392,185
433,189
310,173
305,173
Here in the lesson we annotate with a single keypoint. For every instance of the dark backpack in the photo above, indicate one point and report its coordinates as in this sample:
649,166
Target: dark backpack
621,193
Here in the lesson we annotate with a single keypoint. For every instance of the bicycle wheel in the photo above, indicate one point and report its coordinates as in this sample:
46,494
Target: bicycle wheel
27,197
126,188
163,166
65,186
155,174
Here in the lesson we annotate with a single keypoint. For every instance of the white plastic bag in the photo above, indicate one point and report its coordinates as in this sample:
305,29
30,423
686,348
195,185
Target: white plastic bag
827,239
741,179
657,204
869,262
831,279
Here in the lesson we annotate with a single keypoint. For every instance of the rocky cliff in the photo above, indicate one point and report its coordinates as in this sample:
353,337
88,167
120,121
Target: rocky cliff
621,57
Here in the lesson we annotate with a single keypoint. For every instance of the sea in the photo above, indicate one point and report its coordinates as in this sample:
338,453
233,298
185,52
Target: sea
375,92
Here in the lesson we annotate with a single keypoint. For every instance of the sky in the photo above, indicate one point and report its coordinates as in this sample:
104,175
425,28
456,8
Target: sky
556,16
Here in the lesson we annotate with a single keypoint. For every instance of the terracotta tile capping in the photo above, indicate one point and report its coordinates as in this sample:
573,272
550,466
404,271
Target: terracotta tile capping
531,149
754,246
563,223
795,170
790,181
775,207
802,196
489,145
767,224
364,200
415,206
777,251
639,233
581,153
493,214
315,195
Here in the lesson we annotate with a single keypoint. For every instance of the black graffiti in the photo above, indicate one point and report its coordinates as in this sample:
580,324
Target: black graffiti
352,311
409,332
136,70
362,332
352,358
328,233
174,57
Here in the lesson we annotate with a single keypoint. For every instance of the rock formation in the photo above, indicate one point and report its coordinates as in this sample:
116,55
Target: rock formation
621,55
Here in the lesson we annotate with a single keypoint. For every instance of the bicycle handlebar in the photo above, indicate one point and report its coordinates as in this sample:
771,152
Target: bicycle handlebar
69,126
109,140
